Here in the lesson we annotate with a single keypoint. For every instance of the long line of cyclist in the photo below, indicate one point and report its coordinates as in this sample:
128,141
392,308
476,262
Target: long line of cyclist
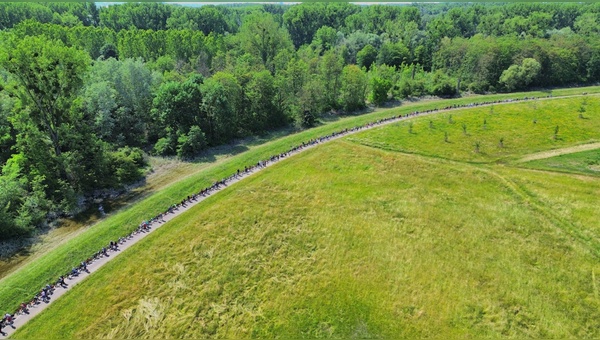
45,293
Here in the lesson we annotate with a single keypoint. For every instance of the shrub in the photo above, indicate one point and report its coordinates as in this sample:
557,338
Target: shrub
191,143
126,164
165,146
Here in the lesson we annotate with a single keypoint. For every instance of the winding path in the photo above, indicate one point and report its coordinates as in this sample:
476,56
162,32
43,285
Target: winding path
558,152
97,264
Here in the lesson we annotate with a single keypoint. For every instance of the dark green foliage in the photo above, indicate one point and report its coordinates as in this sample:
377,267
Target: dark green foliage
126,164
84,88
303,21
442,85
191,143
136,15
366,57
393,54
308,119
354,88
109,51
380,87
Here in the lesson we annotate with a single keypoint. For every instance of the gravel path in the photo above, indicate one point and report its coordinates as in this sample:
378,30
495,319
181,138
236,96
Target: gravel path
20,320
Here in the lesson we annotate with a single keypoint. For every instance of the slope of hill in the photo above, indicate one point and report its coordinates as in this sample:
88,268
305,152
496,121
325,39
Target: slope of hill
391,232
25,281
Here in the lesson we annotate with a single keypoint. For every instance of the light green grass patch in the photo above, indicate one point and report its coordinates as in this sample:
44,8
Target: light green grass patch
523,127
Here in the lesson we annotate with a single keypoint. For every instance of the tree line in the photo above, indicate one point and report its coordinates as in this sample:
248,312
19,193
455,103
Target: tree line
86,92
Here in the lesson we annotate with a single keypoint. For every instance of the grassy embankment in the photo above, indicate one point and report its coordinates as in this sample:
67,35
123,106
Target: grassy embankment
387,233
22,283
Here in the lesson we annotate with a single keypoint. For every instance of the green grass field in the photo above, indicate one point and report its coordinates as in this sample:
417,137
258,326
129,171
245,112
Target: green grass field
351,240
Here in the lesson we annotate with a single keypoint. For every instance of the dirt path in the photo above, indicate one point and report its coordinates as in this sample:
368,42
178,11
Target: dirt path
558,152
20,320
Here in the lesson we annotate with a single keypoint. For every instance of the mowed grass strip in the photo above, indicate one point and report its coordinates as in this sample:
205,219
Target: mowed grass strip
348,241
24,283
585,162
493,133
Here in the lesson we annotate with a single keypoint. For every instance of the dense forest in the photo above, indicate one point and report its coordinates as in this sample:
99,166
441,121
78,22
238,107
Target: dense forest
87,92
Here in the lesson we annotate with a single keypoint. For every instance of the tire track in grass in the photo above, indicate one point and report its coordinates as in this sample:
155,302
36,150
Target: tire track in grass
520,193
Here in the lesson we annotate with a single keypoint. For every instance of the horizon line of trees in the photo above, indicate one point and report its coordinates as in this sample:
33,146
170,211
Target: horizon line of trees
87,92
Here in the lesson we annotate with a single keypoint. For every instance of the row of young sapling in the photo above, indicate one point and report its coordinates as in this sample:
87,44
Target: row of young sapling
581,110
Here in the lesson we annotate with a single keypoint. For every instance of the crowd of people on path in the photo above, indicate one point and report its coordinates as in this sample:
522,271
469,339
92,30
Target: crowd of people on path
45,294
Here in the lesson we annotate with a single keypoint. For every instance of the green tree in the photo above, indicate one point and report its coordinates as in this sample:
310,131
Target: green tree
380,88
330,69
218,110
519,76
587,24
49,75
366,57
262,114
262,37
354,88
441,84
100,100
192,143
131,84
312,97
176,106
325,39
393,54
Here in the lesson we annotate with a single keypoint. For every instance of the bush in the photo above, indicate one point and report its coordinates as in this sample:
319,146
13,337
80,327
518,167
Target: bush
12,195
165,146
442,85
409,88
380,88
126,164
191,143
517,77
308,119
478,87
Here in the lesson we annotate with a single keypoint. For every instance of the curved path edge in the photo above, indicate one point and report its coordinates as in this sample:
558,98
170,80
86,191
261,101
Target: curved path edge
559,152
22,319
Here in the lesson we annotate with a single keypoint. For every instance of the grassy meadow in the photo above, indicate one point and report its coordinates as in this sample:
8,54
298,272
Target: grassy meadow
524,128
386,233
26,280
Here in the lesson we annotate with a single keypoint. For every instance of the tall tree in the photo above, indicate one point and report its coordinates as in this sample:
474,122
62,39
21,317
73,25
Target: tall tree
330,69
49,75
264,38
354,88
